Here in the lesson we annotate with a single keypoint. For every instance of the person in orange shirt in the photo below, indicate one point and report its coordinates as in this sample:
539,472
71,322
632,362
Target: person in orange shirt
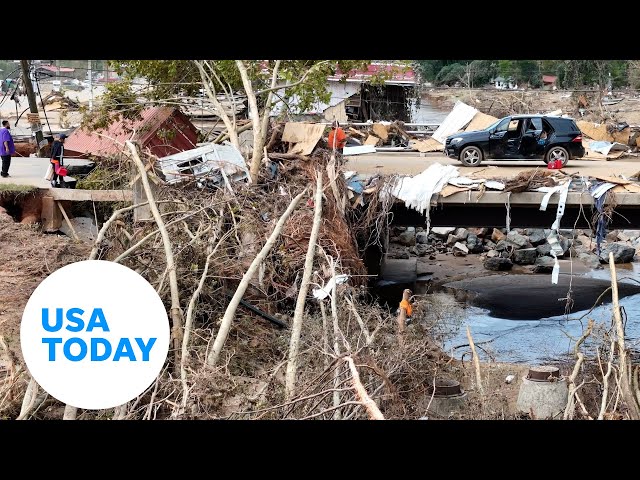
337,137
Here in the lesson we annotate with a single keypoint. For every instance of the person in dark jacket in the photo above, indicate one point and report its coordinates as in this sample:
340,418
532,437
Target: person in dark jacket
57,159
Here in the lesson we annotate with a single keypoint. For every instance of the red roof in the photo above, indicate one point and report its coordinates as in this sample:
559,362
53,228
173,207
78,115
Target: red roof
549,79
148,133
399,73
54,69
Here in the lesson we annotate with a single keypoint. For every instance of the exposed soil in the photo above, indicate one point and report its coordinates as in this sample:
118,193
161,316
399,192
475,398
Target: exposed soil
507,102
26,258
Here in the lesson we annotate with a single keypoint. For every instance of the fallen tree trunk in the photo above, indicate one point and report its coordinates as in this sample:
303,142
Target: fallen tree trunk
229,313
361,393
625,368
294,343
176,312
476,362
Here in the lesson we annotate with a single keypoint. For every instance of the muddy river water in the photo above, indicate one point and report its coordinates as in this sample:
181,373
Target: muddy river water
520,318
547,338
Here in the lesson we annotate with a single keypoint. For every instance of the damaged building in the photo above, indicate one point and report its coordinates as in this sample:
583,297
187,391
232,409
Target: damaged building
360,99
162,130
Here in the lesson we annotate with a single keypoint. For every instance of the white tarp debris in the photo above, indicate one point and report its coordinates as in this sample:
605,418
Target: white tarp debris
460,116
602,189
604,147
465,182
475,183
358,150
416,192
324,292
210,163
494,185
554,238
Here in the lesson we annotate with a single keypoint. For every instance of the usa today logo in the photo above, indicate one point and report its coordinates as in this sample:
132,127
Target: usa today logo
94,334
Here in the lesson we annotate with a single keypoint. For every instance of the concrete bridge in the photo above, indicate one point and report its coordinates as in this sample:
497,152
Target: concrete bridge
472,209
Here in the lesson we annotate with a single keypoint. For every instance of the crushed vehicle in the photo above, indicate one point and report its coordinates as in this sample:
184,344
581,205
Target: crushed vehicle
520,137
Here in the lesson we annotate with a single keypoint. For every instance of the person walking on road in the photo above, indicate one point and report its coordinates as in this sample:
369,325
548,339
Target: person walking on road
57,159
7,148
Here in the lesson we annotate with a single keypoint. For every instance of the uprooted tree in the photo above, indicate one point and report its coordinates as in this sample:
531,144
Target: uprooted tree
269,85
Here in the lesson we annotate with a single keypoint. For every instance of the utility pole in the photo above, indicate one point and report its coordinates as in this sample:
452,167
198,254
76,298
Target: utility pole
33,106
90,87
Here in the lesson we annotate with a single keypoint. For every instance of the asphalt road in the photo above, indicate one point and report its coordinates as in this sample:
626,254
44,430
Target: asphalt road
31,171
413,163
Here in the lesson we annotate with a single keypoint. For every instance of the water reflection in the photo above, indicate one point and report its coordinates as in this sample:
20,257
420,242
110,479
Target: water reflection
540,341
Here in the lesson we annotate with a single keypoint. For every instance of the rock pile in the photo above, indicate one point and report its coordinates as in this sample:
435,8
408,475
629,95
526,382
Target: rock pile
499,249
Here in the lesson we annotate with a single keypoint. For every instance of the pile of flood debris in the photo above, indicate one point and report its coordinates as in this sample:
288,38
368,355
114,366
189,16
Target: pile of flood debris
501,248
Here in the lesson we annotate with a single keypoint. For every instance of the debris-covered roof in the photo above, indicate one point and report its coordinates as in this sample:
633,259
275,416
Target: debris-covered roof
164,130
400,74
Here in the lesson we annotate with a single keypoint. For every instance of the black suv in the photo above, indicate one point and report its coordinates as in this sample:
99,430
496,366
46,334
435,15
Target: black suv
526,137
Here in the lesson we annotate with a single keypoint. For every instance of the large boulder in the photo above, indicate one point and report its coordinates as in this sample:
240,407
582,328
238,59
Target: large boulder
422,249
474,243
586,243
461,234
501,245
421,237
498,264
407,238
628,235
516,240
544,249
442,232
497,235
460,250
621,253
544,265
525,256
480,232
612,236
536,236
590,259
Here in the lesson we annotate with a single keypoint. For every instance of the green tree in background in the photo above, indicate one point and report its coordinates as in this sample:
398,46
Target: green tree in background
266,84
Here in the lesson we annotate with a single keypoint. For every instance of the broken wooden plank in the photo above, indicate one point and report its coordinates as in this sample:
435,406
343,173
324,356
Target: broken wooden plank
51,216
94,195
428,145
66,218
381,131
353,131
451,189
337,112
304,135
480,121
612,179
372,140
622,136
595,131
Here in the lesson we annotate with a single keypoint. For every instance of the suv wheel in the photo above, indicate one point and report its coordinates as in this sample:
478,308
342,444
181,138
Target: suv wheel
471,156
557,153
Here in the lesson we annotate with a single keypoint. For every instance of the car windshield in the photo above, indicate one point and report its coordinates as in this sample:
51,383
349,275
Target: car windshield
493,125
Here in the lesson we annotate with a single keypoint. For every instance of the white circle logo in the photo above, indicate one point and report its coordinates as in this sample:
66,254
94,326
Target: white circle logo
94,334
